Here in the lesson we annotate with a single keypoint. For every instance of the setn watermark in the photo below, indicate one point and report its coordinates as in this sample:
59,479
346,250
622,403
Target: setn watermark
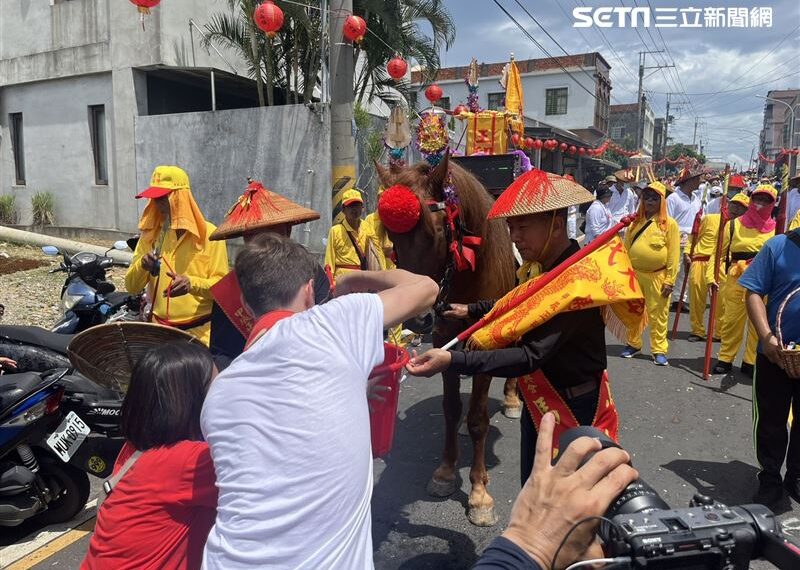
646,17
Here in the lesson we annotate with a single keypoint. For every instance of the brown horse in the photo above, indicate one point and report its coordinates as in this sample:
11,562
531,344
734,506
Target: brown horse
424,250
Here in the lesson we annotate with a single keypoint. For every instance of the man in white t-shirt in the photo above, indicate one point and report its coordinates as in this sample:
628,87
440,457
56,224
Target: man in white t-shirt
683,205
288,421
598,216
623,199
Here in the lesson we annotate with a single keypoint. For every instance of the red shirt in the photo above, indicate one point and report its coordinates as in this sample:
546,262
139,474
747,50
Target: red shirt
159,514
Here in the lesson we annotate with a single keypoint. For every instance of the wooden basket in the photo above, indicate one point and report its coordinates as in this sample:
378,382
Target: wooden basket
107,353
790,358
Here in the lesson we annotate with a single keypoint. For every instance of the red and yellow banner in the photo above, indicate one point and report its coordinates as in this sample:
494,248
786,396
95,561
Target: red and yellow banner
604,278
487,132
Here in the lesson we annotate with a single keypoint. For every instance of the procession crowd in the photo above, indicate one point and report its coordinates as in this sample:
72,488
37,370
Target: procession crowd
256,452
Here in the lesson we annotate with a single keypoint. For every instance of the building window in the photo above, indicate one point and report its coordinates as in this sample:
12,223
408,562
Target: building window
496,101
444,103
97,129
556,101
17,147
618,132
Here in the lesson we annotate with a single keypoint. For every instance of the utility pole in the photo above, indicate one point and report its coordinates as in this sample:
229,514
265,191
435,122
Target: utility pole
343,145
666,131
694,136
642,67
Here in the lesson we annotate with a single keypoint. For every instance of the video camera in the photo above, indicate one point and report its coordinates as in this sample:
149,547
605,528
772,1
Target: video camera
705,536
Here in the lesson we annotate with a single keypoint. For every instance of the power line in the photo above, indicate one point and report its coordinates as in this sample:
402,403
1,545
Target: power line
739,88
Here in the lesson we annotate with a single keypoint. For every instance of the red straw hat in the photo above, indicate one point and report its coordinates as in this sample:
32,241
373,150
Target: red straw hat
258,209
538,191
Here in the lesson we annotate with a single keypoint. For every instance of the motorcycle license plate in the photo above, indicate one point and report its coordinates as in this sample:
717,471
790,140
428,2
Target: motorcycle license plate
69,436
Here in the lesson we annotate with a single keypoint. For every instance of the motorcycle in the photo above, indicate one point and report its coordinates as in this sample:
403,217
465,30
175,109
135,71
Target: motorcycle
38,350
87,297
34,434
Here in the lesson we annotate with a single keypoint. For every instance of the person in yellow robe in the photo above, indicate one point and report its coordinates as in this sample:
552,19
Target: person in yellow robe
654,246
351,245
706,243
174,259
742,240
795,223
375,228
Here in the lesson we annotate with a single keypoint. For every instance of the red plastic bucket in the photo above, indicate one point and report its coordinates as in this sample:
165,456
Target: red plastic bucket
383,414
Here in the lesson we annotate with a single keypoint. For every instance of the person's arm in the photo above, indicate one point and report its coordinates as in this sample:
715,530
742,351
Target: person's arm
478,309
726,240
136,277
330,250
403,294
757,312
216,270
556,496
673,253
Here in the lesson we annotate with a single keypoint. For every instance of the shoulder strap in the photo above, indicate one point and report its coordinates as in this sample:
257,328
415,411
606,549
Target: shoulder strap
794,236
111,482
362,258
641,231
730,243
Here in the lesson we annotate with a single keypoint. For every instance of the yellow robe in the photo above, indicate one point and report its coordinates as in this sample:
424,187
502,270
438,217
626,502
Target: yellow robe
203,268
655,256
795,223
731,294
375,228
340,251
698,286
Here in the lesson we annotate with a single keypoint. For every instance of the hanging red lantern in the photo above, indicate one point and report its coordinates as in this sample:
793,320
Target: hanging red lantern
553,144
433,93
515,139
537,144
461,108
581,151
354,28
573,149
562,147
269,18
397,67
144,5
528,142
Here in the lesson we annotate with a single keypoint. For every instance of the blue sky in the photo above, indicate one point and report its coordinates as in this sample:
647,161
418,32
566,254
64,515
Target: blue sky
709,62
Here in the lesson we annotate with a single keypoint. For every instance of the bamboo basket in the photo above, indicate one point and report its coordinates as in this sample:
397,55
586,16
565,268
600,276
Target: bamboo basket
107,353
790,358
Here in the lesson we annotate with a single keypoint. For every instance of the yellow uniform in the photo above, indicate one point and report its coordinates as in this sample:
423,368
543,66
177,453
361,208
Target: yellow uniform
744,244
373,226
655,256
204,267
795,223
698,286
341,254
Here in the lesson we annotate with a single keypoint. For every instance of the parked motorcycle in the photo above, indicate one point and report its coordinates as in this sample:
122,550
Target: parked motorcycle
34,434
87,297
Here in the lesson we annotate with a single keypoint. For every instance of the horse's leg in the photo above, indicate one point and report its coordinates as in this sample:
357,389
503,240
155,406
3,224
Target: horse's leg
512,406
481,505
443,482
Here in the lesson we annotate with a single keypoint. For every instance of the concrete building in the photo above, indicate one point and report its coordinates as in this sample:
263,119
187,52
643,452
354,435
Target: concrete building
658,138
577,102
74,77
776,130
623,122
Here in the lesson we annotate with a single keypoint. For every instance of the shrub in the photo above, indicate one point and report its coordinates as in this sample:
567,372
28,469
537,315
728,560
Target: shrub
43,209
8,213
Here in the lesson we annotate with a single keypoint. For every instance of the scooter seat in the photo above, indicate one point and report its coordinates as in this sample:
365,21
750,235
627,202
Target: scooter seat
14,388
38,336
117,297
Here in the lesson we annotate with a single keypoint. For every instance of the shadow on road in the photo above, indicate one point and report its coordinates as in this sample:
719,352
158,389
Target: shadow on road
419,439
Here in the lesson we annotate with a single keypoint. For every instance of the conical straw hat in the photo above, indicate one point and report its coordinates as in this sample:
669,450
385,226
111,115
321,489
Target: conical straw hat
538,191
258,209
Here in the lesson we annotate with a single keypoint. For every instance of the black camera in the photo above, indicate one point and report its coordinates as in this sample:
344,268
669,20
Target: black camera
705,536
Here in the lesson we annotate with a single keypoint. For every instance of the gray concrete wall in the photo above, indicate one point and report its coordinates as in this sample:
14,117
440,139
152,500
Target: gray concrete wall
287,148
58,149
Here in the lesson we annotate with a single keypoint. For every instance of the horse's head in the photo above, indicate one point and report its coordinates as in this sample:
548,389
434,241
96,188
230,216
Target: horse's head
422,249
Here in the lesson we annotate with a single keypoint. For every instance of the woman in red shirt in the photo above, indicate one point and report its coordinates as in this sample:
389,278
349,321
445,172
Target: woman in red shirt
160,512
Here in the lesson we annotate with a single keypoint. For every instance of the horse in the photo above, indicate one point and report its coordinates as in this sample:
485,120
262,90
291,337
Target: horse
425,250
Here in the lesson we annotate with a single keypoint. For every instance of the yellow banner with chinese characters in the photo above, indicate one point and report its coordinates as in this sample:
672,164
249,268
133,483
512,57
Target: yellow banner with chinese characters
487,132
605,278
514,99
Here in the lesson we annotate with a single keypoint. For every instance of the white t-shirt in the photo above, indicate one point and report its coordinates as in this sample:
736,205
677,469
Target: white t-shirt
621,204
683,209
598,220
288,427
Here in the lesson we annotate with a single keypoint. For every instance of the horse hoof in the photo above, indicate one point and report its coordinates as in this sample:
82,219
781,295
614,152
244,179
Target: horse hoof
513,413
440,488
482,516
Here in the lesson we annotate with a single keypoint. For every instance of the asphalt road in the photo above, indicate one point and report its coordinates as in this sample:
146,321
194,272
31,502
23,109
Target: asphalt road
685,435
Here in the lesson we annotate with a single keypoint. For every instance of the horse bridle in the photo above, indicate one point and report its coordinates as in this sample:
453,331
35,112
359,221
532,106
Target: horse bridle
441,304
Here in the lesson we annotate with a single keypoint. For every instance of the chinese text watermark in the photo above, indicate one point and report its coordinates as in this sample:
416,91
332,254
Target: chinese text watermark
645,17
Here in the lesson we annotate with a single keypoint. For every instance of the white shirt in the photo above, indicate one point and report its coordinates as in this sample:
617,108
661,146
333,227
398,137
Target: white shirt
598,220
623,203
288,427
683,209
792,205
572,222
713,206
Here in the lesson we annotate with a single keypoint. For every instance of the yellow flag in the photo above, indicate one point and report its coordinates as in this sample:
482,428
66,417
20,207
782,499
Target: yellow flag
515,104
604,278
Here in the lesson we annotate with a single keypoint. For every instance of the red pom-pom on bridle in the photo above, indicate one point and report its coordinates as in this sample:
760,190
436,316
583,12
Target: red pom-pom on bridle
399,209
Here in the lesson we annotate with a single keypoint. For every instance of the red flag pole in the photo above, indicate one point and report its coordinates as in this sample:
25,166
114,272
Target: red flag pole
712,310
695,233
548,277
780,221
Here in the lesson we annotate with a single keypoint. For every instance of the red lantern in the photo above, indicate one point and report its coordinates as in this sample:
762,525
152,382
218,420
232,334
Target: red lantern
528,142
537,144
553,144
433,93
515,139
562,147
397,67
461,108
581,151
573,149
145,5
354,28
269,18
